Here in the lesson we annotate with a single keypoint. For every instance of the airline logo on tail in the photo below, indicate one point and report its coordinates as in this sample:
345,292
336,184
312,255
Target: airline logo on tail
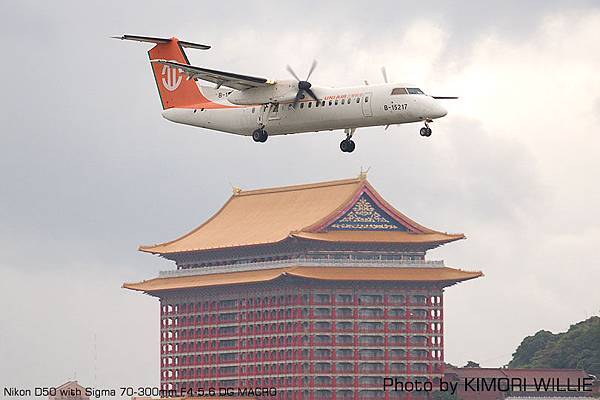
173,89
171,77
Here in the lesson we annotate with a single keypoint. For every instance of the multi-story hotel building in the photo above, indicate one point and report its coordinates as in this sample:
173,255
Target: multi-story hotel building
317,290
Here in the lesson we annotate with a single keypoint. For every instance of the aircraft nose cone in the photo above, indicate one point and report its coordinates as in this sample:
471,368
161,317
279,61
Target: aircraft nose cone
438,111
443,111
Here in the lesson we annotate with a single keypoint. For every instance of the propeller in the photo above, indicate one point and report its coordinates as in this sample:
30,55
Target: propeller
304,85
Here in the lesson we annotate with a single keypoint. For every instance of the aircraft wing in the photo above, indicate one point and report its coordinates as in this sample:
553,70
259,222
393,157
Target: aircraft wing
221,78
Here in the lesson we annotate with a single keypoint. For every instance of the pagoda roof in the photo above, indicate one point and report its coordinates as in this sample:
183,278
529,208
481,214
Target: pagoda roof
348,210
353,274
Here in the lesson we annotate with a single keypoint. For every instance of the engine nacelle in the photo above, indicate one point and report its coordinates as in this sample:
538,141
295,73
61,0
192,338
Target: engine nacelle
280,91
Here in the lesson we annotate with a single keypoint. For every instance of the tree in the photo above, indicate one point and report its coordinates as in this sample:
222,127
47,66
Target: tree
472,364
578,348
523,356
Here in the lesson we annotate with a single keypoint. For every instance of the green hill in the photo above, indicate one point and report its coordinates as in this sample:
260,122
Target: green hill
579,348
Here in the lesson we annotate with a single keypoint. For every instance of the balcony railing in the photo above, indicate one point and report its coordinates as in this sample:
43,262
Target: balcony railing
300,261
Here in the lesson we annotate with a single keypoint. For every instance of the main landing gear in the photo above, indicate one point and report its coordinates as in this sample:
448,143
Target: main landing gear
260,135
347,145
426,130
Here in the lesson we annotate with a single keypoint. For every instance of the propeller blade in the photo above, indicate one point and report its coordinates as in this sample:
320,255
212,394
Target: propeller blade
384,73
312,94
298,97
303,86
291,71
312,68
445,97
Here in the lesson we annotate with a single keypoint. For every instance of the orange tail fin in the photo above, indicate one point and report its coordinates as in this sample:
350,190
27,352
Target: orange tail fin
174,88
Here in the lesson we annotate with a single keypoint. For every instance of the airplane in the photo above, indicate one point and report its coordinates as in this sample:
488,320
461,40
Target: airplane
259,107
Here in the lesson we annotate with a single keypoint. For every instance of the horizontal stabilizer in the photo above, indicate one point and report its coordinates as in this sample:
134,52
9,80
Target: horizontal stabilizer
445,97
157,40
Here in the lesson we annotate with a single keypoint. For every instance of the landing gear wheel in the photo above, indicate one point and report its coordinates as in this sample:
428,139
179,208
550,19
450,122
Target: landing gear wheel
347,146
263,136
260,135
351,146
425,131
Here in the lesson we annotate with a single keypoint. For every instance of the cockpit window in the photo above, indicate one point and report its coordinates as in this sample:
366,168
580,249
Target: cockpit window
399,90
415,91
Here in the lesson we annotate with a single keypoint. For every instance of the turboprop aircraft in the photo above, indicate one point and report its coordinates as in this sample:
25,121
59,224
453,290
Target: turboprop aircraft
259,107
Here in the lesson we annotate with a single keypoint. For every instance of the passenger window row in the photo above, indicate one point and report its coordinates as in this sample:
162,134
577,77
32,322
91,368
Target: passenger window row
324,103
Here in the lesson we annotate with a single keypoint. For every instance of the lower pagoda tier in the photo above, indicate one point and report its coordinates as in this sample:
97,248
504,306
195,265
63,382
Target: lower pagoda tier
324,320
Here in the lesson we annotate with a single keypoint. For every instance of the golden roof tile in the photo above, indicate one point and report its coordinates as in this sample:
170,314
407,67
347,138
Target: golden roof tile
266,216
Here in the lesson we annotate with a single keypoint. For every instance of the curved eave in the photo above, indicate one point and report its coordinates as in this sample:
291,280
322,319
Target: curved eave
163,248
434,239
209,249
371,274
429,240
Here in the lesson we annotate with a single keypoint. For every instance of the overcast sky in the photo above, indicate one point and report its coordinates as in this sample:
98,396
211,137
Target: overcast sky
89,169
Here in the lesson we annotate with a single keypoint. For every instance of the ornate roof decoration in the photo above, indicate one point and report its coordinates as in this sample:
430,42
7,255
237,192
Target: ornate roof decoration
366,215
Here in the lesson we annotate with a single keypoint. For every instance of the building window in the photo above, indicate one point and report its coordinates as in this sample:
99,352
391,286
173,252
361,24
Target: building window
322,298
322,312
370,299
344,326
323,326
370,312
344,298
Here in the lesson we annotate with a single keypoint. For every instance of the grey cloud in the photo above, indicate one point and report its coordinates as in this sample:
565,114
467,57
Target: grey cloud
90,170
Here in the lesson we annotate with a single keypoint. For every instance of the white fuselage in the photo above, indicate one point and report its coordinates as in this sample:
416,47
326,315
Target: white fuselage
338,108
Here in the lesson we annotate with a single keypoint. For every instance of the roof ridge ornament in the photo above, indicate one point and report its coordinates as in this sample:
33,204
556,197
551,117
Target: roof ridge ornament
363,173
235,189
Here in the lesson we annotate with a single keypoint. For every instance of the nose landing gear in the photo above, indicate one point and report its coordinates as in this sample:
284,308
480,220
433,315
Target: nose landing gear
426,130
347,145
260,135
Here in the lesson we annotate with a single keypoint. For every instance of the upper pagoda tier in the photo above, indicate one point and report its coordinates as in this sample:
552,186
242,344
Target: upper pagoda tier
342,211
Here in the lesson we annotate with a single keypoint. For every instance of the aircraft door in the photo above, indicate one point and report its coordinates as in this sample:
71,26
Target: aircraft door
366,104
273,112
262,112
